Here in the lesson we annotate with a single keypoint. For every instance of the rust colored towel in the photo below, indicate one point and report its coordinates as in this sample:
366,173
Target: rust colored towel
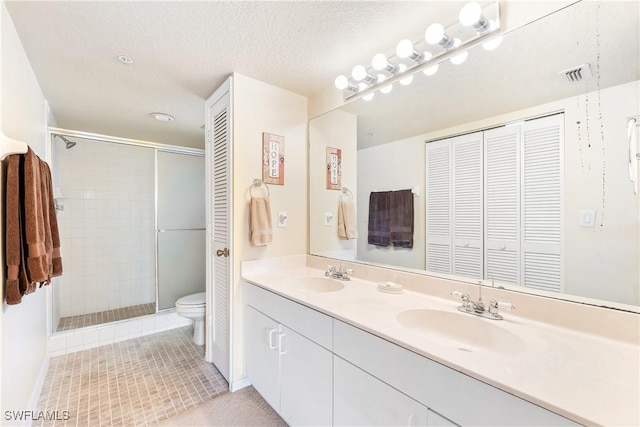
52,235
37,263
17,282
379,216
32,239
260,232
401,221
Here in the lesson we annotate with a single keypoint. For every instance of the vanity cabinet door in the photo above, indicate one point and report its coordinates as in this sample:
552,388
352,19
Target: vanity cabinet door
262,355
305,380
360,399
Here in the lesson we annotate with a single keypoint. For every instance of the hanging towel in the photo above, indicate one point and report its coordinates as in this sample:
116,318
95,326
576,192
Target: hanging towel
32,242
347,220
53,236
401,221
17,281
37,265
260,232
379,215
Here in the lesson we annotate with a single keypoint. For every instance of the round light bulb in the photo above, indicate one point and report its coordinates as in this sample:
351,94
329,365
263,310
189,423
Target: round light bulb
368,97
341,82
362,87
379,62
407,80
460,58
470,14
431,70
434,33
359,72
493,43
404,48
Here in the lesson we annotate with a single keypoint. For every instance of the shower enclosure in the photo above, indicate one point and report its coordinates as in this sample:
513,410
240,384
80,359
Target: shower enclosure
131,217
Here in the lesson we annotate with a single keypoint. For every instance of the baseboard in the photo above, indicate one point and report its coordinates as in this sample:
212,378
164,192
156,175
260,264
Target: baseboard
37,388
239,385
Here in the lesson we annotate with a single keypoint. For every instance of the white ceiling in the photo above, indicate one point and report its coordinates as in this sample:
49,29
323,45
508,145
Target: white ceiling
183,50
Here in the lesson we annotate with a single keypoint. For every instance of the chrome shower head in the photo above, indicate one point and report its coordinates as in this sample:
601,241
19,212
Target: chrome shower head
68,144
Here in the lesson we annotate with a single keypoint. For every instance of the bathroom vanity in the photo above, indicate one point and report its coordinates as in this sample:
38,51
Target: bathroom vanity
328,352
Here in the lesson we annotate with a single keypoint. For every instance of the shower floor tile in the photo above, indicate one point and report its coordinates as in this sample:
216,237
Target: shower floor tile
137,382
90,319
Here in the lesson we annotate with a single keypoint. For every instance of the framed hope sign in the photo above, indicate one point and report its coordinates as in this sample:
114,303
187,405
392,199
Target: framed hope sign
272,159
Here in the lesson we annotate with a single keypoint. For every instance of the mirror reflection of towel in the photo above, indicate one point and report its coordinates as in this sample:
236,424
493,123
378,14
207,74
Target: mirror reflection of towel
347,220
401,221
379,214
391,218
260,232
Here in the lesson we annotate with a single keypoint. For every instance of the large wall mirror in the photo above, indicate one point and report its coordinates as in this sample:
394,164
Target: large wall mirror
386,145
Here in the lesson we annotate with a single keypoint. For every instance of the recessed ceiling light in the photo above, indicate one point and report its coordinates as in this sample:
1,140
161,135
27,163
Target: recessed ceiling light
125,59
162,117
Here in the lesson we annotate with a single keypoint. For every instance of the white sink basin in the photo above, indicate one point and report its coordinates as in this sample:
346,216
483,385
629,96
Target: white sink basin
316,284
464,331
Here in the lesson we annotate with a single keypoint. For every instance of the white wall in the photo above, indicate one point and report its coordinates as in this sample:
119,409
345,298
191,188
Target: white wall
257,108
601,262
337,129
398,165
24,326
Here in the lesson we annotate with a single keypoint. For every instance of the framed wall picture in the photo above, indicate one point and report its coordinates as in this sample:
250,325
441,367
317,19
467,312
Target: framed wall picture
272,158
334,168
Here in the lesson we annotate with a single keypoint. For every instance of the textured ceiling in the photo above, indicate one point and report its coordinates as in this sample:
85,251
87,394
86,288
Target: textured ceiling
184,50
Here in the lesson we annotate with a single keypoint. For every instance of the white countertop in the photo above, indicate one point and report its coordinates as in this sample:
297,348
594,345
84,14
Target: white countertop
586,378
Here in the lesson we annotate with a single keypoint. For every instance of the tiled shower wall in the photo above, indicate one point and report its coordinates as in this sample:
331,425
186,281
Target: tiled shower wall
106,227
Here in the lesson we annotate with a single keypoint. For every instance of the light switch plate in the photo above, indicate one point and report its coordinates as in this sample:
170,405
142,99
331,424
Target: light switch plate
282,219
587,218
328,216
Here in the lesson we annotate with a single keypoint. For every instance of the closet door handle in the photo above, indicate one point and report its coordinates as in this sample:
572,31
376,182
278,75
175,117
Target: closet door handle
223,252
280,337
272,346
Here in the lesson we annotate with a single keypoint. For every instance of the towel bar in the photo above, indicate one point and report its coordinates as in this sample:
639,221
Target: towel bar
258,183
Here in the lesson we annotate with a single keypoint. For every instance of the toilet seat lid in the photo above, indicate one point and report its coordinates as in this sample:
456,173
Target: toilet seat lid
193,299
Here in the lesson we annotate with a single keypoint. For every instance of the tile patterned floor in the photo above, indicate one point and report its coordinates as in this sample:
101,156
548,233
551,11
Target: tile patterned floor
80,321
137,382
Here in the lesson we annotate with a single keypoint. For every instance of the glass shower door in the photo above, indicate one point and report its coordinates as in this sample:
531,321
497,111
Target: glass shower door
180,226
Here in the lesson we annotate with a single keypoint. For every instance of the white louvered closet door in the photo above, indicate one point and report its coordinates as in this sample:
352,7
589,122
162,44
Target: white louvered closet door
439,207
502,207
467,209
542,141
218,150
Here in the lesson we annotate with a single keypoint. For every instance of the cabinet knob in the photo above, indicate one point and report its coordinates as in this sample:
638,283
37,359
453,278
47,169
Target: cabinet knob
223,252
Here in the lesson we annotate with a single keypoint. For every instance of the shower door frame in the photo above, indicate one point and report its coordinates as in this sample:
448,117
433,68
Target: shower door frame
156,146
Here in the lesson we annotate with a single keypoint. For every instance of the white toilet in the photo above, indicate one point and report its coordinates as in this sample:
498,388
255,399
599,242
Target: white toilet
193,307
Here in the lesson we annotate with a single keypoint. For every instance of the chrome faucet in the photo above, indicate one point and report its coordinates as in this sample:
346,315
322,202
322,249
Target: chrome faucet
478,308
338,273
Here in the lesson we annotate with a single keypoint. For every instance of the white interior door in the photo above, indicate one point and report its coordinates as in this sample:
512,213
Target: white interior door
219,225
439,206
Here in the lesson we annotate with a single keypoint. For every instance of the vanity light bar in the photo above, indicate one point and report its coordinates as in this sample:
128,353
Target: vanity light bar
475,21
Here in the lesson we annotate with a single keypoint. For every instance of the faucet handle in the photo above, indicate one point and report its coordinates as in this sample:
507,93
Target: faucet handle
501,304
463,297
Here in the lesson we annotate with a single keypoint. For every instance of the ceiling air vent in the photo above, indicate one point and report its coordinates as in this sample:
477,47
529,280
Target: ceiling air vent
578,73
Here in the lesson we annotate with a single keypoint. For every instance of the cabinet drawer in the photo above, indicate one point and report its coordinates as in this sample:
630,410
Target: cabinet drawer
458,397
307,322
